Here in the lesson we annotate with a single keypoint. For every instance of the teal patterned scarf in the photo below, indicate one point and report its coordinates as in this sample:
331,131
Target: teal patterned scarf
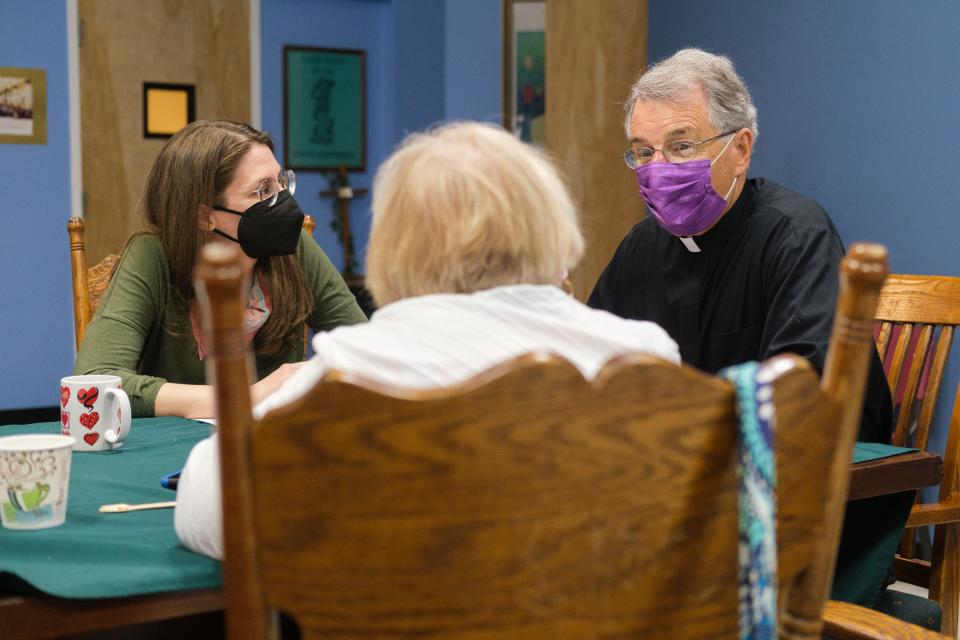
757,475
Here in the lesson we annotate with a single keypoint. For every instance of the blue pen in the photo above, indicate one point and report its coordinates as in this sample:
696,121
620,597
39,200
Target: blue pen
170,480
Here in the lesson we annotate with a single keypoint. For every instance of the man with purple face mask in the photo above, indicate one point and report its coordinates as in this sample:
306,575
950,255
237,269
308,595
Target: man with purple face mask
734,269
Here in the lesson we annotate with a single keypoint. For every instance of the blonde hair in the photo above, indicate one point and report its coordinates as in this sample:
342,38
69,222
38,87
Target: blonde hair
466,207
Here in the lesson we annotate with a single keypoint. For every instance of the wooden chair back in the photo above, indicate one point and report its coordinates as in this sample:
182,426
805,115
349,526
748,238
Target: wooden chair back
916,319
89,285
525,502
308,224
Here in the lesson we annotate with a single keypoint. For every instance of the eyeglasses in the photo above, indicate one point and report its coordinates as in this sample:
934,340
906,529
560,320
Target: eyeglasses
269,190
676,151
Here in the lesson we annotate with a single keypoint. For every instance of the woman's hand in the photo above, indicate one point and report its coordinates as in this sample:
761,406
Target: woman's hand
272,382
198,402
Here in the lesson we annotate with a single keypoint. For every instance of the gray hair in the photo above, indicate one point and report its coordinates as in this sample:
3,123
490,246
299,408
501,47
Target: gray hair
729,105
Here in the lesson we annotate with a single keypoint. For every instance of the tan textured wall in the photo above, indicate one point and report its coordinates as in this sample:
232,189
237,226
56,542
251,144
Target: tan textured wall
595,50
124,44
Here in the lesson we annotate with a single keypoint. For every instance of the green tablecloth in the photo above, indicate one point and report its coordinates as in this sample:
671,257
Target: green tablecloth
865,451
95,555
98,555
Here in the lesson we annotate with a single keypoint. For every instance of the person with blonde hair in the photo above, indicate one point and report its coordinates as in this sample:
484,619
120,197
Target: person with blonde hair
473,233
212,181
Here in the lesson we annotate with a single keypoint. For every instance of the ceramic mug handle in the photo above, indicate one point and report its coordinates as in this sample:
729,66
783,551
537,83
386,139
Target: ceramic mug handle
123,428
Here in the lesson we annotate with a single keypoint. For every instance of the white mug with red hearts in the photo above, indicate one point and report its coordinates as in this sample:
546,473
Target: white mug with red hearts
95,411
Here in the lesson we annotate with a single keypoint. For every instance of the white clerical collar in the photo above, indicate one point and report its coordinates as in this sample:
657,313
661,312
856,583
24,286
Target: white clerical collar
690,244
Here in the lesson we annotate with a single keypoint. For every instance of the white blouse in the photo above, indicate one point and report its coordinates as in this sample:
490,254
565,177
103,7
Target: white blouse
424,342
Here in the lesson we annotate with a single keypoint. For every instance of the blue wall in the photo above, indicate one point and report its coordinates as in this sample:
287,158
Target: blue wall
427,61
419,67
474,69
858,104
447,62
341,24
36,319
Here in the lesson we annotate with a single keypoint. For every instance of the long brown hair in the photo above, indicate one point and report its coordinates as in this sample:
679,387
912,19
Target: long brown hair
194,168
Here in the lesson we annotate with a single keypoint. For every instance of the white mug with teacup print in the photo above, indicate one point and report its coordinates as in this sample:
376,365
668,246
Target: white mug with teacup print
34,476
95,411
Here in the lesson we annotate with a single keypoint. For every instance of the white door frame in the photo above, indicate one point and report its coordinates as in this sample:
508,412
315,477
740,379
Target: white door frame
73,98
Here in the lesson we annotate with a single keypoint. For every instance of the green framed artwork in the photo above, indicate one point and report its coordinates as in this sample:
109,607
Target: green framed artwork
23,105
324,109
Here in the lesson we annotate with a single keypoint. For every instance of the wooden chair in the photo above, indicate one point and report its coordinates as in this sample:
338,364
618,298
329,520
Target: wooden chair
89,285
916,318
527,502
845,621
308,224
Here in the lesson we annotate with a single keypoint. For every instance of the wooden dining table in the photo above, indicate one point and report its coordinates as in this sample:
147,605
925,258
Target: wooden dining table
25,617
31,610
102,570
903,472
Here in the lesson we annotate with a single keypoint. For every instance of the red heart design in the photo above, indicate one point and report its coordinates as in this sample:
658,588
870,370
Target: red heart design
88,396
64,418
89,420
64,396
91,438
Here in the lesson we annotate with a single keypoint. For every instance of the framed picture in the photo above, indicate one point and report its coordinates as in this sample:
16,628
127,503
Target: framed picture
524,64
324,109
167,108
23,105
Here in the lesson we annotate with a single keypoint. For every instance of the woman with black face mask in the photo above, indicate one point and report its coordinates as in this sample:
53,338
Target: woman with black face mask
213,181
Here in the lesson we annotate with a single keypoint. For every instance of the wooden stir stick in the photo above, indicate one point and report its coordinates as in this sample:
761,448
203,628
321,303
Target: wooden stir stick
123,507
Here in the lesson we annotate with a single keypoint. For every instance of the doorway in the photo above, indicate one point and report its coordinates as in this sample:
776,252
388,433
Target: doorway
124,44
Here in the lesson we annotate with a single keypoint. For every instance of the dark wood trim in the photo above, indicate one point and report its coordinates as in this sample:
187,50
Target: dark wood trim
30,416
912,571
507,97
49,617
284,107
904,472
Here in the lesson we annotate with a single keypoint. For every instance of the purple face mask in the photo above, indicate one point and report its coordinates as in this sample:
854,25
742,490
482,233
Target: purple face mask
680,196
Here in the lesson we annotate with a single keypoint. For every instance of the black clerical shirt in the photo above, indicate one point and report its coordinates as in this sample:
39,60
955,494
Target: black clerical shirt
765,281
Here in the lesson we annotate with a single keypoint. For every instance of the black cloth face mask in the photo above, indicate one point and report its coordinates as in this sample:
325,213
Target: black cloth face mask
266,231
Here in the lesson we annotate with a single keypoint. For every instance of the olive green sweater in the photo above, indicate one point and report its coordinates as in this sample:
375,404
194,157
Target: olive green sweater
137,335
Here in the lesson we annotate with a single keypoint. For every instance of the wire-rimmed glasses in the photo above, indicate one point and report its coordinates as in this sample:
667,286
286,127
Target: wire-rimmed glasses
269,191
673,152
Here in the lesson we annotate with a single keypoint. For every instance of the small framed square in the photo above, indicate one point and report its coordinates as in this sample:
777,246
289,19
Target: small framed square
167,108
324,109
23,105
